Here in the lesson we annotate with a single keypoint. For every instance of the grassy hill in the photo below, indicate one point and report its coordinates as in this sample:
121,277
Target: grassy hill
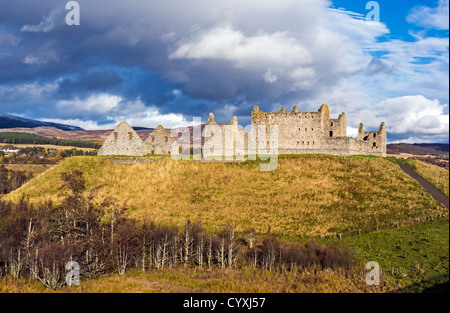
306,195
438,176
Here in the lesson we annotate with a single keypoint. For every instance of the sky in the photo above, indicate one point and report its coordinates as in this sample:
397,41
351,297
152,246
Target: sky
156,62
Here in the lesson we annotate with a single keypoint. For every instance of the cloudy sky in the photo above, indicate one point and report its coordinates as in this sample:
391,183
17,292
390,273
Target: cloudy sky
162,62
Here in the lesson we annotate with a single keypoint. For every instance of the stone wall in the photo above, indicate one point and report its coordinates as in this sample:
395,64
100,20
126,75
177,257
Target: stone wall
375,140
315,132
223,139
125,141
159,142
297,133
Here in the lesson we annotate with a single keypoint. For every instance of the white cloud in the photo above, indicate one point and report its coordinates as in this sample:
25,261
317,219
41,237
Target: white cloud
97,103
352,131
115,108
428,17
422,139
31,60
420,65
28,92
45,53
414,118
269,77
150,118
226,43
414,115
311,57
46,25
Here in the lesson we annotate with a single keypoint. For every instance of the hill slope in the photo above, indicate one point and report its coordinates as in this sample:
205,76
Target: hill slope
12,121
309,195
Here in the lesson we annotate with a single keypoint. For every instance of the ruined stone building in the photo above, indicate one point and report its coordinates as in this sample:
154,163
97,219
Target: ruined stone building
124,140
224,139
297,133
159,142
316,132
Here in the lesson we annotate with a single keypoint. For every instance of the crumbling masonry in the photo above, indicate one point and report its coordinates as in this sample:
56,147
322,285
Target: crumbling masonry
125,141
297,132
316,132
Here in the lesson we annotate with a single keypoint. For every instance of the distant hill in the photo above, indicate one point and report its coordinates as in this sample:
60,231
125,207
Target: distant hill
27,138
98,135
11,121
418,148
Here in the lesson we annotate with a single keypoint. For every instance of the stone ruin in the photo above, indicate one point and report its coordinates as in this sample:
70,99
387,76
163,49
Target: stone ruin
316,132
124,140
297,133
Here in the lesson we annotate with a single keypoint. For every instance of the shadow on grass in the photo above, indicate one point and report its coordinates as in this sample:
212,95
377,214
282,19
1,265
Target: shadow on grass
439,288
439,284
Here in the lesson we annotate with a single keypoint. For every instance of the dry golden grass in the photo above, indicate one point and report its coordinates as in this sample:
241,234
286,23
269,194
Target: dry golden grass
35,169
401,155
181,280
436,175
306,195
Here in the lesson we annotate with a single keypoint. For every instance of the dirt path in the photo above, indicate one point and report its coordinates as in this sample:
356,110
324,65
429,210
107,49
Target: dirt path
436,193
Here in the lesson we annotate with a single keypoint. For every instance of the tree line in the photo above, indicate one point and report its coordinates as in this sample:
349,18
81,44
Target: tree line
37,241
40,155
27,138
11,180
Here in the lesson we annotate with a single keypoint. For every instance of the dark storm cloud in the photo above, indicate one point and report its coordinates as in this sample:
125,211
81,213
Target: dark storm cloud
105,80
110,36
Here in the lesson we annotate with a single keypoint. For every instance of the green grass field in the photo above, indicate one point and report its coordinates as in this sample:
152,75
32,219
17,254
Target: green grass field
412,259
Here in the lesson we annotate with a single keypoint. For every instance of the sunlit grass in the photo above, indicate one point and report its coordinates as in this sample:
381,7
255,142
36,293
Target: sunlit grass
412,258
187,280
35,169
436,175
306,195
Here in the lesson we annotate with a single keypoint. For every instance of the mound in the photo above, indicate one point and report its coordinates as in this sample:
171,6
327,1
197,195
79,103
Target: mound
306,195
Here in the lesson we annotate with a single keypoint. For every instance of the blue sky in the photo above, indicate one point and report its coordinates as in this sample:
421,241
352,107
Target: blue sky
162,62
392,13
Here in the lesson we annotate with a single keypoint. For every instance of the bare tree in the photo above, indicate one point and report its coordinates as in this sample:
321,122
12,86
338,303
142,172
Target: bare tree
187,243
164,252
200,252
232,247
51,277
210,251
221,253
16,263
250,236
